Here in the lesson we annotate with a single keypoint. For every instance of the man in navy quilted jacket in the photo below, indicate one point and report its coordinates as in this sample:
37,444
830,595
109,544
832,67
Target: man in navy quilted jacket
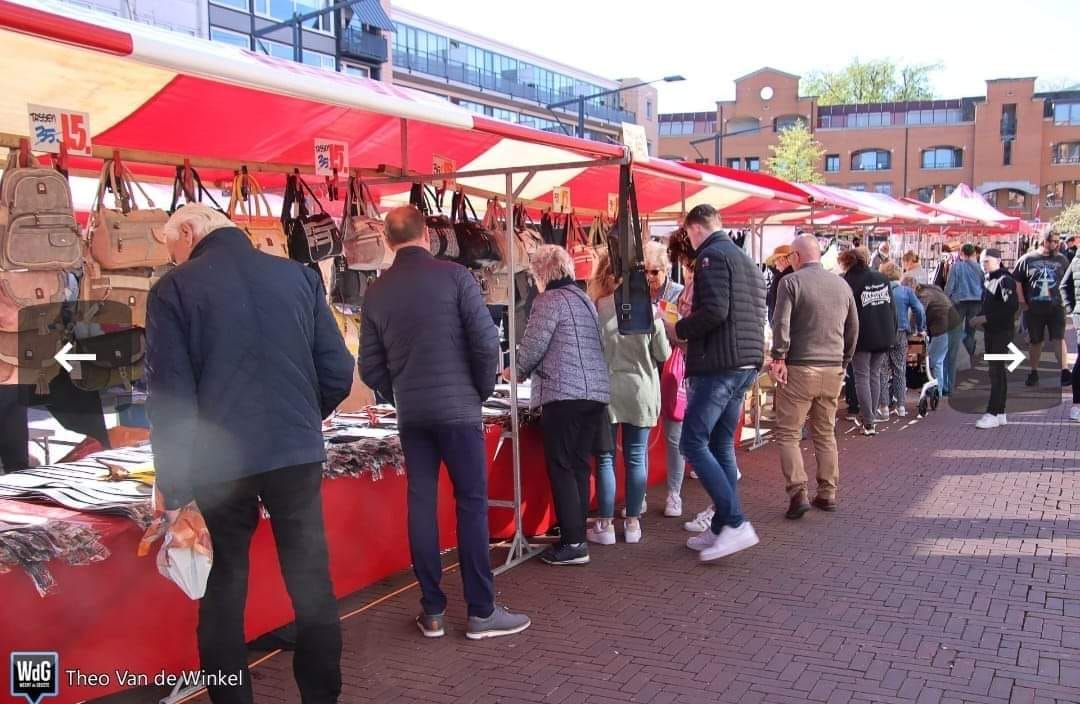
428,342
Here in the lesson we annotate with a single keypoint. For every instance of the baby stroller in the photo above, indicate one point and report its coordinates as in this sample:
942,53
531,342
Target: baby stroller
920,376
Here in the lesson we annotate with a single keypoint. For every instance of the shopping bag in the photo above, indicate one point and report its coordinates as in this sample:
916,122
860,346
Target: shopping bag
672,388
186,553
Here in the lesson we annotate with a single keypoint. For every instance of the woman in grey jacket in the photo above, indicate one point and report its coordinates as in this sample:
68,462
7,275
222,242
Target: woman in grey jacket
634,407
562,352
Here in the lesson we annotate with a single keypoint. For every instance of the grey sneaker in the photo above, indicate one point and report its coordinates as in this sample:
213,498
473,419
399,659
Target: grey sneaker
432,626
500,623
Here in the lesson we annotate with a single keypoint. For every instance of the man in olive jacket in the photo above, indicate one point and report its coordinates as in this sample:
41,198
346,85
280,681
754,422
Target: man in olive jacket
429,343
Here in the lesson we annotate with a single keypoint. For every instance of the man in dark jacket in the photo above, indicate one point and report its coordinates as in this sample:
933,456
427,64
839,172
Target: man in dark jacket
877,331
999,305
725,335
780,267
243,362
428,342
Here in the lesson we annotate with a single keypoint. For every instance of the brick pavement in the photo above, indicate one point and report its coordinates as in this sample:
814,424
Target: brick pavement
951,574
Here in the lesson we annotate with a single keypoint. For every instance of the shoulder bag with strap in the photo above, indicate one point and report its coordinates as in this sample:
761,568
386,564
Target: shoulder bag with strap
37,220
443,237
477,242
581,251
364,233
553,229
25,297
528,234
126,237
129,289
262,228
118,360
633,303
313,236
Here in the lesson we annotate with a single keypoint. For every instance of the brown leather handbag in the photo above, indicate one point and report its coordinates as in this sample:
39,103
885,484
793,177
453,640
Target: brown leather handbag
126,236
19,290
29,357
365,245
129,289
262,228
118,360
37,220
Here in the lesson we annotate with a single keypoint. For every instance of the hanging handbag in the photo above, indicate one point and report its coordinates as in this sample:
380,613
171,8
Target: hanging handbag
495,284
583,254
672,388
527,233
313,236
364,234
633,301
37,220
553,229
262,228
443,239
126,237
128,289
20,290
188,185
522,242
478,244
349,285
29,357
118,360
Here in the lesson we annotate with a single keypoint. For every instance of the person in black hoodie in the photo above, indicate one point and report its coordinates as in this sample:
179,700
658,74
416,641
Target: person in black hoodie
877,331
999,306
780,267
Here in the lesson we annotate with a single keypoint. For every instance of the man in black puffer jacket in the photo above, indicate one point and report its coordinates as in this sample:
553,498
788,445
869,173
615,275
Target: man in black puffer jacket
429,343
877,332
726,348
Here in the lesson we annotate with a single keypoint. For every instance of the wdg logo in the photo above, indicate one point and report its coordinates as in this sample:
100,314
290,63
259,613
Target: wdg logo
35,675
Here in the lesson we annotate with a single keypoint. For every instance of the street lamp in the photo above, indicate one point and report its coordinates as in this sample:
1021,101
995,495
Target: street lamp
580,100
718,142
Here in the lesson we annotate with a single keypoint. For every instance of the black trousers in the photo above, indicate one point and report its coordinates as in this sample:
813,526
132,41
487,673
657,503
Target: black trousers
569,430
14,431
997,342
231,509
461,447
850,395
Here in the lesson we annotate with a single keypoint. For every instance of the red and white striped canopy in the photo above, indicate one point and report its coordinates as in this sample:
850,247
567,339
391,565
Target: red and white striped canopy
162,92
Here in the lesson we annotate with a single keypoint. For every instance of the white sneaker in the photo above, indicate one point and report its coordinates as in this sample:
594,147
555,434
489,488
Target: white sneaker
1002,420
1074,414
701,523
673,507
882,414
730,541
693,474
602,532
701,541
987,422
901,412
632,529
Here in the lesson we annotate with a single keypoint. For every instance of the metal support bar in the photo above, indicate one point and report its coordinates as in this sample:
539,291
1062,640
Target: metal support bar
525,182
508,171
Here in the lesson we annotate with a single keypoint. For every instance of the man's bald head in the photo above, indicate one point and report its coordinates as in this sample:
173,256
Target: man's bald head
806,250
405,226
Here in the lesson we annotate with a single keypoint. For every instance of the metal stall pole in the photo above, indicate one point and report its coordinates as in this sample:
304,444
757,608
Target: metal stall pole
757,240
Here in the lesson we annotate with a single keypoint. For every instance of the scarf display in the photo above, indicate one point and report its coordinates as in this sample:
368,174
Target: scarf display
30,543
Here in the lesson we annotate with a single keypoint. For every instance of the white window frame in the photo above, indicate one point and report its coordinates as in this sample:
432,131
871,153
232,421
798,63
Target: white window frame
255,10
225,3
224,30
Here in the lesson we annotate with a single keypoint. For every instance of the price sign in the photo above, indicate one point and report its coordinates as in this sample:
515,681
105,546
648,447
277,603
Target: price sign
443,165
49,127
331,155
635,138
560,200
612,205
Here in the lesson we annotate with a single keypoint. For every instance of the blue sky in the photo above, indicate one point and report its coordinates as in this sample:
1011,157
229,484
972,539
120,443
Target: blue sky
712,42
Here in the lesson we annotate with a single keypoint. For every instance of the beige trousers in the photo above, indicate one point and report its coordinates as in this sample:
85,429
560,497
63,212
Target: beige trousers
810,394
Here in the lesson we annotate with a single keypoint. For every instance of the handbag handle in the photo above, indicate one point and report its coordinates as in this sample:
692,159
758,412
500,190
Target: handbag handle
464,203
246,188
303,186
125,179
573,229
188,184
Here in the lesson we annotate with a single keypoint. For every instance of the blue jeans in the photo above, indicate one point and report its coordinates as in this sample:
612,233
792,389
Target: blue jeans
955,337
713,406
635,442
938,351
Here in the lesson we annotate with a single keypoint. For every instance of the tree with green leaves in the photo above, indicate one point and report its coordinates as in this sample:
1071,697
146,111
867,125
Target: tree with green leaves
796,155
1068,223
874,81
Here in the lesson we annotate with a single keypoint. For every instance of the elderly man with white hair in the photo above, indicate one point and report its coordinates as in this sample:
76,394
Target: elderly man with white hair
243,363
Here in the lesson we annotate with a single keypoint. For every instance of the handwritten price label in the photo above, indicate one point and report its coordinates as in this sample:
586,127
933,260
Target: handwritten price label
636,140
49,127
330,156
560,200
443,165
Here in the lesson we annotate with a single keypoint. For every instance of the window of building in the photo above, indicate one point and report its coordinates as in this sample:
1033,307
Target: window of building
832,163
828,121
1067,113
275,49
235,4
1065,153
743,124
354,70
227,36
857,186
478,108
1008,122
885,188
871,160
284,9
787,122
701,160
648,109
502,114
1006,153
942,158
1017,200
320,60
949,190
991,198
733,162
925,194
936,116
1054,195
753,163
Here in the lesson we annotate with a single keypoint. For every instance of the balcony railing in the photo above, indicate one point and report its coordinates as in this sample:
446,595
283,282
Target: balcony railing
1065,159
436,66
363,45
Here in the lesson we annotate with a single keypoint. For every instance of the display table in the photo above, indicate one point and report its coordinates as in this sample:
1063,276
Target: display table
120,613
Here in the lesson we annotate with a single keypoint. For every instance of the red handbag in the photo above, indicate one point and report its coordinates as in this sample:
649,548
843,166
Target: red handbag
672,386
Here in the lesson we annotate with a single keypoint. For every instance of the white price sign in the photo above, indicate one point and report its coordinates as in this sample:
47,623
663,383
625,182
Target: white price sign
330,156
51,126
560,200
634,137
443,165
612,205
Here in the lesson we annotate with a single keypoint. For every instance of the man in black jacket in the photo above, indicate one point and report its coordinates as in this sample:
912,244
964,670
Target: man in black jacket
428,342
725,351
243,362
999,305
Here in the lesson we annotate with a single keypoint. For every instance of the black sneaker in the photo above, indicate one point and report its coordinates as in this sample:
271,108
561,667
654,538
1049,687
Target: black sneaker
570,554
432,626
1066,377
1032,379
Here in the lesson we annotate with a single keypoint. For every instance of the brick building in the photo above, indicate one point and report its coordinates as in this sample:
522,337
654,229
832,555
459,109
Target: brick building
1018,147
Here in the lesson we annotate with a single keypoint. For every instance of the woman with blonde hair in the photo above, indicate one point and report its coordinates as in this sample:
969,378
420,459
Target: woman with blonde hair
634,406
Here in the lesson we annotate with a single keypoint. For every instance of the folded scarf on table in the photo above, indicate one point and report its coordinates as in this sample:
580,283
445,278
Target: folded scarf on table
33,544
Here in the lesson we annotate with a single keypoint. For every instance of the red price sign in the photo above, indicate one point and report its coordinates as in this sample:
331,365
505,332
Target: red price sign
443,165
331,156
49,127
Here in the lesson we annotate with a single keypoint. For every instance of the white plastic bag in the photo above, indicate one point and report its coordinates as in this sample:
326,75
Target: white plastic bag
187,567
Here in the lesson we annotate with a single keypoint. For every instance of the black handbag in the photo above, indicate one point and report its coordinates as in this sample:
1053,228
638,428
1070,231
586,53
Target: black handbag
443,239
313,236
118,360
478,246
553,229
633,303
349,285
189,186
